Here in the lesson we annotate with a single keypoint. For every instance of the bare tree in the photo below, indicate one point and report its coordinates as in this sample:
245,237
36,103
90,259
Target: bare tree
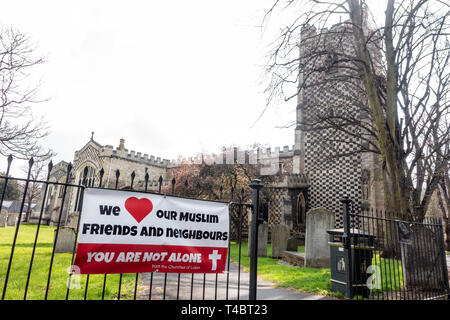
395,71
20,130
37,173
213,177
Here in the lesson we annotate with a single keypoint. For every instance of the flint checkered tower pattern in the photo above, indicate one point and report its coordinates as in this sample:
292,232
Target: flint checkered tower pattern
324,93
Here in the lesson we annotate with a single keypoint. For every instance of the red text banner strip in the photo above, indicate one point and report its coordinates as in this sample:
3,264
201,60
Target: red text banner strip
98,258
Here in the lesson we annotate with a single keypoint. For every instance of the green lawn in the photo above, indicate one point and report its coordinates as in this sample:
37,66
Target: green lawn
316,280
391,274
311,280
39,274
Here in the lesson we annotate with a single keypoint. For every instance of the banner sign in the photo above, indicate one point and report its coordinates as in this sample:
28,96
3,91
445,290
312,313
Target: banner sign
131,232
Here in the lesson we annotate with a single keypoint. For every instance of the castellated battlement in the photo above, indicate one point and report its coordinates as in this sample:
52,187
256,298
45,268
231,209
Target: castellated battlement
338,36
267,153
334,40
293,180
232,155
346,25
132,155
298,179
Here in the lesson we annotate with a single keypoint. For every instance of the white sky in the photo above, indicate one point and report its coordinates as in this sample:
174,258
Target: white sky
170,77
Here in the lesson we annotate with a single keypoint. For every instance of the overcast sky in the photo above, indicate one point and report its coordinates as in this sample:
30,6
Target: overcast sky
170,77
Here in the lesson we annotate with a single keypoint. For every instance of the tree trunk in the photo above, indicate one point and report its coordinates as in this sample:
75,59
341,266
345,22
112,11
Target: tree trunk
442,196
385,114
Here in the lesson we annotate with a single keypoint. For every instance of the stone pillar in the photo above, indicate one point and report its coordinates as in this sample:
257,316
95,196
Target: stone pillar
317,250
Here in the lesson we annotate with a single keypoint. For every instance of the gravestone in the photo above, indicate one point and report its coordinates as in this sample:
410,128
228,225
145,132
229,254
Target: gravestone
422,254
73,220
317,250
12,219
292,244
2,219
263,234
66,240
280,236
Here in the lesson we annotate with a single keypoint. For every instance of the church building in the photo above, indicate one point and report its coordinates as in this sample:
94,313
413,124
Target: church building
117,165
310,176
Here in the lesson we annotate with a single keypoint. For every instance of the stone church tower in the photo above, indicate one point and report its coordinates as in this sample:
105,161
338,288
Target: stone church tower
331,158
328,163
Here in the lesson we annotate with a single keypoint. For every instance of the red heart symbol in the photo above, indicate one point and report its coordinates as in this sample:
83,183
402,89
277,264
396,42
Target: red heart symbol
138,208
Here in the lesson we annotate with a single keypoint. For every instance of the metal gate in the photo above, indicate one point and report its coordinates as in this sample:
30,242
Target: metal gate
391,258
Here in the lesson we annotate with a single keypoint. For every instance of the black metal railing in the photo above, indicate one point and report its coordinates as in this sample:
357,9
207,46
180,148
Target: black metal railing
394,259
228,285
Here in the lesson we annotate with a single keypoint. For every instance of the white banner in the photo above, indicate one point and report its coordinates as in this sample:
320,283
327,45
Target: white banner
127,232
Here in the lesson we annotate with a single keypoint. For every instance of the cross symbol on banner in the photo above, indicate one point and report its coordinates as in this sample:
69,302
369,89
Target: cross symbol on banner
214,256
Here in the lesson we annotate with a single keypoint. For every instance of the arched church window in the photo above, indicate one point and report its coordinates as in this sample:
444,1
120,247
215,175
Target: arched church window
49,196
301,209
86,177
61,191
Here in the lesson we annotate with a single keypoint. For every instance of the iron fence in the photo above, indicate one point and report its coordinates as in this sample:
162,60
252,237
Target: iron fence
386,257
392,258
232,284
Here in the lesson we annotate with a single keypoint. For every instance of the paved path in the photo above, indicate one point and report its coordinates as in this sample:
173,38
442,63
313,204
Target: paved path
265,291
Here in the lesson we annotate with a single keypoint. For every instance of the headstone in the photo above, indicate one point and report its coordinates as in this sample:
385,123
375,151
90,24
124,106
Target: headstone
292,244
66,240
2,219
263,233
421,254
280,236
317,250
73,220
12,219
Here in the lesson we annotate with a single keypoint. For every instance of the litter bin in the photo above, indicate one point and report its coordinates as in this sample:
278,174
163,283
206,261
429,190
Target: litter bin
362,246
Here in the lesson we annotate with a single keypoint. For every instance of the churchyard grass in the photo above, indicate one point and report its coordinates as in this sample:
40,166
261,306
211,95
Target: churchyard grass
391,274
314,280
311,280
59,277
